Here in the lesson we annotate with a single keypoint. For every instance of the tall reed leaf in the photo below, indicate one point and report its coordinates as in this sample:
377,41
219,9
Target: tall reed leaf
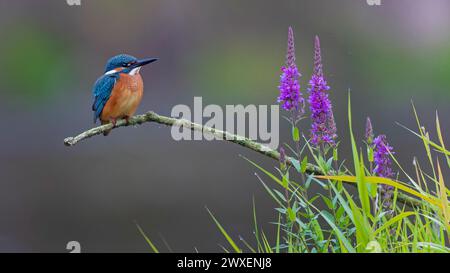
359,170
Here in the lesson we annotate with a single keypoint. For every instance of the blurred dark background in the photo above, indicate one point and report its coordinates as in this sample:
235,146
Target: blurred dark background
228,52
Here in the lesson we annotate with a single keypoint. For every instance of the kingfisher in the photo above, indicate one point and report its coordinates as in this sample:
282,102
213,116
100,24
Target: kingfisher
118,92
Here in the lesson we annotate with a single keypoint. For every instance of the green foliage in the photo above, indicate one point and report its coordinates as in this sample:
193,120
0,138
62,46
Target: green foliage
333,220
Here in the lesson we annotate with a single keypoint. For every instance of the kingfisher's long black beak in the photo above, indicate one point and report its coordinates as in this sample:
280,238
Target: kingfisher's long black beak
143,62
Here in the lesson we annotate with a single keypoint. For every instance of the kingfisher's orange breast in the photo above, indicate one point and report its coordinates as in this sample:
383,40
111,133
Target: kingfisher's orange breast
125,97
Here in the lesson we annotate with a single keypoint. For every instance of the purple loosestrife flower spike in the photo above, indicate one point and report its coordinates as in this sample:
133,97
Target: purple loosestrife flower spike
383,167
282,159
332,130
317,58
290,96
290,55
382,157
323,128
282,156
369,132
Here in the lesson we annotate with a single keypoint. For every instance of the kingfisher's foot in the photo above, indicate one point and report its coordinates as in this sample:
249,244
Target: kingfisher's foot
113,122
127,119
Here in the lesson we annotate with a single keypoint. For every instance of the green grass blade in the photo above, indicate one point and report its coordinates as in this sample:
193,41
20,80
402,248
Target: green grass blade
256,227
149,242
277,249
225,234
359,169
393,221
273,177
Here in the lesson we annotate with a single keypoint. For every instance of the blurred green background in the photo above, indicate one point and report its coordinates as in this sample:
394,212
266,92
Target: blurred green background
228,52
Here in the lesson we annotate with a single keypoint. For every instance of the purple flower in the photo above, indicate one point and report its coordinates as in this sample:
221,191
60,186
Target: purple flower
382,157
383,167
323,128
289,87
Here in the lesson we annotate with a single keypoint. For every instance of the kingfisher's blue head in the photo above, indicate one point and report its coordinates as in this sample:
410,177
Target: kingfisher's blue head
126,63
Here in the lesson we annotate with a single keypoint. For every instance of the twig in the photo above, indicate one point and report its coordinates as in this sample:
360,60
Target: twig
219,134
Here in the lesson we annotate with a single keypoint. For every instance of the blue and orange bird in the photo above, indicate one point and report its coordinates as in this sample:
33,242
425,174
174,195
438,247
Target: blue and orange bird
118,93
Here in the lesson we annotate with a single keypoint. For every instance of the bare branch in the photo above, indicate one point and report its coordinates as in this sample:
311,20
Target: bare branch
219,134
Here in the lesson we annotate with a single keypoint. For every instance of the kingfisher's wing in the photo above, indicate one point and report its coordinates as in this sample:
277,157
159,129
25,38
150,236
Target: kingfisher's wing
101,92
